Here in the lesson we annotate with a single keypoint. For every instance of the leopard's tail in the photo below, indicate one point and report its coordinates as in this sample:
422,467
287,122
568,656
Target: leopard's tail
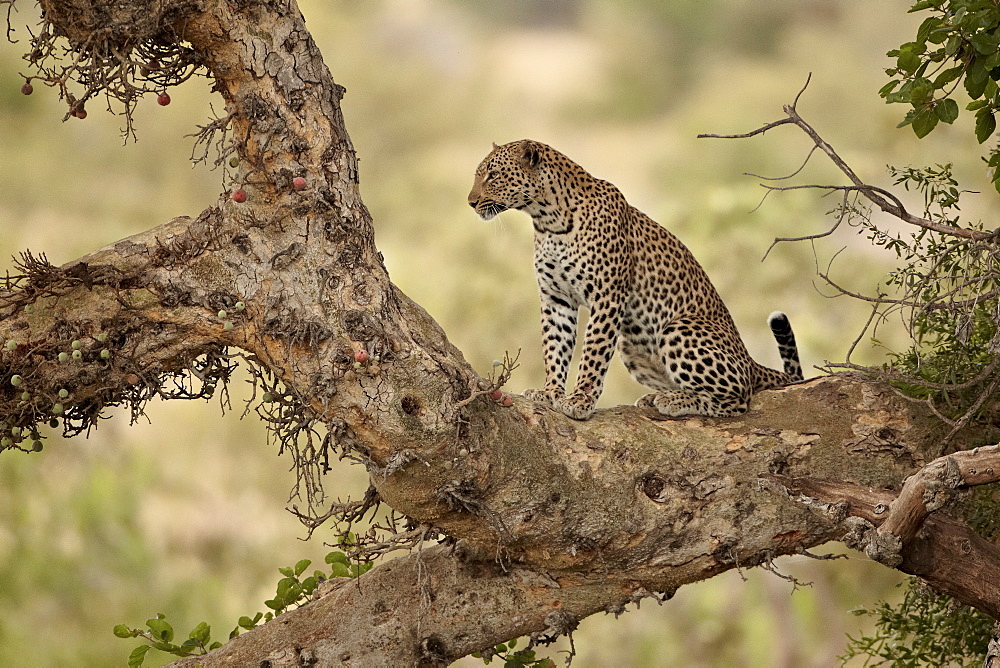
789,352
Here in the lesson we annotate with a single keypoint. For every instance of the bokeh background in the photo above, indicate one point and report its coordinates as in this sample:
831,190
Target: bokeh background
185,514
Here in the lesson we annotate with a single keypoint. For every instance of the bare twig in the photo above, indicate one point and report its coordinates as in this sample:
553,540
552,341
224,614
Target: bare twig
881,198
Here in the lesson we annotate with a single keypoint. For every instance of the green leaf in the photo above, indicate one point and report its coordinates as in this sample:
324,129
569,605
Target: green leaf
929,25
123,631
946,110
986,123
924,122
908,61
137,656
232,634
975,78
286,571
247,623
161,629
215,645
171,648
201,633
888,88
948,76
273,604
921,91
953,44
339,570
337,557
301,566
908,118
984,42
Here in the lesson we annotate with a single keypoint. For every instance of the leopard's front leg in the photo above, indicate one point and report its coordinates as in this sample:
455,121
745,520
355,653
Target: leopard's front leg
559,319
599,341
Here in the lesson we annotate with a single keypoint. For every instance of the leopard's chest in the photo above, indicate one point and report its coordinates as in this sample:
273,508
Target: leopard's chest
562,269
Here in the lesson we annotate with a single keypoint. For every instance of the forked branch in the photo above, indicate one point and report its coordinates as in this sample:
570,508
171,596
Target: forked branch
881,198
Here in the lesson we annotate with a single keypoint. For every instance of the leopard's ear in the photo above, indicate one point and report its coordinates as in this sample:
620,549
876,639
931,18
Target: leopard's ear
495,146
531,155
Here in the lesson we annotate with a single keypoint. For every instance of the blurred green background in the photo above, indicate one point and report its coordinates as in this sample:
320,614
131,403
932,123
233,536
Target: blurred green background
185,515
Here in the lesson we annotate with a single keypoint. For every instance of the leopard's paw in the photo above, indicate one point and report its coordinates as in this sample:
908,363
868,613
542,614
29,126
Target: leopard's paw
578,405
547,397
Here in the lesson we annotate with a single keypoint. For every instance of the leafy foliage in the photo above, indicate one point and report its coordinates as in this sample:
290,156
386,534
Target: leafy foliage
926,629
514,659
292,590
958,44
946,290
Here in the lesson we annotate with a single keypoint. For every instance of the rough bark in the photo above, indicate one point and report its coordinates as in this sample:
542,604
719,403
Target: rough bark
555,520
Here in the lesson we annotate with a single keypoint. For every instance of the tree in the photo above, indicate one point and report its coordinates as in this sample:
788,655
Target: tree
542,521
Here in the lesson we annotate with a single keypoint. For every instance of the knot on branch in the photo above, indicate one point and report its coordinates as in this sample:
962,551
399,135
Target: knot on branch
885,548
432,652
557,623
857,532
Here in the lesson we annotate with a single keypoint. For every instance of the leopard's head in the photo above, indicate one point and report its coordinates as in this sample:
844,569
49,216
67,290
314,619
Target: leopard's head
508,178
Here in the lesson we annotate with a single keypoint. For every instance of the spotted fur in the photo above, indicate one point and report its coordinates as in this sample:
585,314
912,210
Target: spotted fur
647,295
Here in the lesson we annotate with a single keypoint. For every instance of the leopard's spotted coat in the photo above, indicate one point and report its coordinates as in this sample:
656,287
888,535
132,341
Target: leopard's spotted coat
646,293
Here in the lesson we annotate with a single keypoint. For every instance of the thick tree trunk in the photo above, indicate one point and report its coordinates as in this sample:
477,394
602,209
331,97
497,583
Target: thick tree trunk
555,520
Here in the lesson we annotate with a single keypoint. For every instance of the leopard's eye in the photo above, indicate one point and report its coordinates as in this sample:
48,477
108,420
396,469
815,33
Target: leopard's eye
492,175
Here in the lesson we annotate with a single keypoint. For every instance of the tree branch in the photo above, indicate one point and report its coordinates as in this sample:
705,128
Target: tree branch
926,491
946,554
880,197
554,519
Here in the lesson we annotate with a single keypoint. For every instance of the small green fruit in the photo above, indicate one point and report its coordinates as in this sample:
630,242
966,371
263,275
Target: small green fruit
228,325
63,357
102,337
6,442
54,423
497,362
25,396
63,393
15,431
240,306
29,309
15,380
234,162
267,397
11,345
75,345
105,354
57,409
36,446
223,314
77,354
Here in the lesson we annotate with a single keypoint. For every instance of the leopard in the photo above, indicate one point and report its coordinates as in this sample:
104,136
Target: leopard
646,294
